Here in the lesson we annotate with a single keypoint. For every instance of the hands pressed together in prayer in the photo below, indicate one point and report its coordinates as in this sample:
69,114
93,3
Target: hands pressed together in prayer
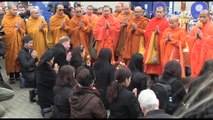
62,24
18,25
134,27
169,37
199,33
41,26
157,30
106,25
124,24
81,24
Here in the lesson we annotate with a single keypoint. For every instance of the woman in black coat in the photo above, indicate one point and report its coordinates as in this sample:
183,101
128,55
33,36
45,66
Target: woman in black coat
104,72
122,102
45,78
139,79
172,71
63,88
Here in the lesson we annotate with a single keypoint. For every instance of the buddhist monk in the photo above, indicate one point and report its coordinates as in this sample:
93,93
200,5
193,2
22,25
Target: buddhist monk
172,42
118,9
59,24
124,17
14,28
106,31
100,11
200,42
156,26
38,30
135,31
80,27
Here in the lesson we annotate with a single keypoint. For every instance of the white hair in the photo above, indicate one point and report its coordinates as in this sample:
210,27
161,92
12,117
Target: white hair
148,99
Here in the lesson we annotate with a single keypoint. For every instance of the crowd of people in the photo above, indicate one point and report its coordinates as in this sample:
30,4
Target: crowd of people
55,60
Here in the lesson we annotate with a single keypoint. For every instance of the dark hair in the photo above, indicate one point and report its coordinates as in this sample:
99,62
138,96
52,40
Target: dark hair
207,67
136,63
85,76
47,56
26,39
120,76
172,69
103,60
76,56
65,77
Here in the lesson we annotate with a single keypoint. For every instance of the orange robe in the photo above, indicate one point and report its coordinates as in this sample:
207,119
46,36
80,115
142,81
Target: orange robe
13,41
92,19
107,37
80,36
133,38
200,49
115,14
39,36
174,48
162,23
123,33
55,24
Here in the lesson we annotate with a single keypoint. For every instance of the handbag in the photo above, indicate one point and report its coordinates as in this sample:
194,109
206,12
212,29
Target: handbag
153,52
93,47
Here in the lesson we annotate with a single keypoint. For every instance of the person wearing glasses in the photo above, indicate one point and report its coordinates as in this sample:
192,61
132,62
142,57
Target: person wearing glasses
59,24
80,27
14,28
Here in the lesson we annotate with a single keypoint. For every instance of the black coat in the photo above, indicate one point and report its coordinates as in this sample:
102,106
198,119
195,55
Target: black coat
126,105
60,55
139,81
103,80
158,114
28,66
45,78
61,102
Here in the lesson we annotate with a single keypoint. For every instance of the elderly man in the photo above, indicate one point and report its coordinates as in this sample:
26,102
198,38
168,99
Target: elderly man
156,26
38,30
106,31
135,31
124,17
149,104
59,24
200,42
172,42
14,28
80,27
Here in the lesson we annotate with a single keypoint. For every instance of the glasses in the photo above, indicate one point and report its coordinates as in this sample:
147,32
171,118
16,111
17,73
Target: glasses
61,9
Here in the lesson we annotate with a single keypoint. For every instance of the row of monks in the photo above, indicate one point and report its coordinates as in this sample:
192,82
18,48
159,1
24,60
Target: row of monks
126,32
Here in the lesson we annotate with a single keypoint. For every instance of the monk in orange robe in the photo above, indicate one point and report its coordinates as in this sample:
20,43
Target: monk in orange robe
172,43
37,29
135,31
118,9
157,24
106,31
14,28
59,24
200,43
92,18
80,29
124,17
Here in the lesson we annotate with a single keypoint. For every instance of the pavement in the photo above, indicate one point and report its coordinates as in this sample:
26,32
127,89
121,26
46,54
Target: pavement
19,106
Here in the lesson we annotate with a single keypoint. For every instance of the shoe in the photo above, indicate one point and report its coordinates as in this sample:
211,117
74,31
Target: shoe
12,80
32,96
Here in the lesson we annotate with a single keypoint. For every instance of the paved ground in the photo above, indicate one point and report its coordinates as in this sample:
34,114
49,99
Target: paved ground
19,106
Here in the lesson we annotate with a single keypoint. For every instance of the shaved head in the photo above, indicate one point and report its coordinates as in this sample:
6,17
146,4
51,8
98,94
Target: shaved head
34,13
160,12
138,11
13,9
126,8
204,16
173,21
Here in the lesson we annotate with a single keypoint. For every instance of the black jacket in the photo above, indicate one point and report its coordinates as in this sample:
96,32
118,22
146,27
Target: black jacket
103,80
45,78
60,55
158,114
61,103
28,66
126,105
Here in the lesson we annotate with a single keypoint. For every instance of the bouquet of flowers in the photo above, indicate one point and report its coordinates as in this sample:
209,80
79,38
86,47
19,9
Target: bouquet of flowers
119,64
